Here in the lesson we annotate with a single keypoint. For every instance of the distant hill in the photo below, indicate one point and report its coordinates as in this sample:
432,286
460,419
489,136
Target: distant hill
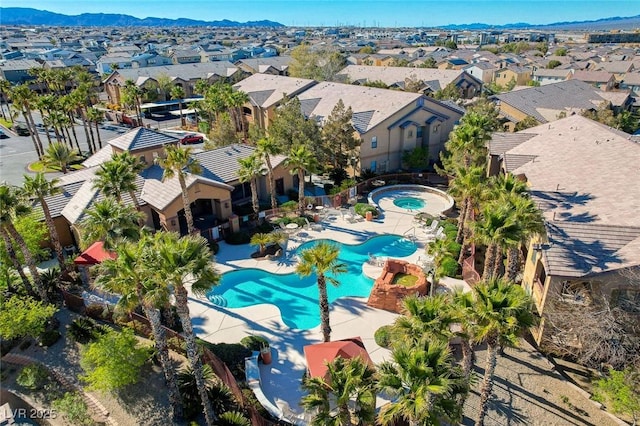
28,16
615,23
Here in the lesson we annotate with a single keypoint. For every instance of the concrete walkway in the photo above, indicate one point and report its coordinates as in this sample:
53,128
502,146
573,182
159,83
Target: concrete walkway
349,316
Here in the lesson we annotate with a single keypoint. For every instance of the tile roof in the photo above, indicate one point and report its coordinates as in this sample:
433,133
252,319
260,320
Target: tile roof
370,105
103,155
276,85
585,177
142,138
183,71
568,96
501,142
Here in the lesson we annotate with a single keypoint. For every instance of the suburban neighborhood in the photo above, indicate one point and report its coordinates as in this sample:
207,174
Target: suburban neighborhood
295,225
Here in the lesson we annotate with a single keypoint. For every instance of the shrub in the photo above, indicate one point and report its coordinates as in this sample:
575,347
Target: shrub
290,206
338,175
233,418
448,267
363,208
177,344
33,377
83,330
450,230
232,354
454,248
367,174
49,337
238,238
254,342
99,312
73,408
382,336
214,247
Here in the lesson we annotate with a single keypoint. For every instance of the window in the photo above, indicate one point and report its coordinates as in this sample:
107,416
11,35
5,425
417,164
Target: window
419,132
410,134
374,165
420,102
374,142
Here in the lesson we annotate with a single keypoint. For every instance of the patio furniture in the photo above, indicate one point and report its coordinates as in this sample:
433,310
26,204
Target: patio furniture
431,228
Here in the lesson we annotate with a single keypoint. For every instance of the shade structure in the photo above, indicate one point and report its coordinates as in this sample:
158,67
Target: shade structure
94,255
320,354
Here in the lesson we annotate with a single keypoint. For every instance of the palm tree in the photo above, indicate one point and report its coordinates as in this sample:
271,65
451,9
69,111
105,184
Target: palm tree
60,155
220,395
13,204
128,275
261,240
502,313
439,249
530,222
78,98
493,230
461,308
110,222
251,168
268,147
177,162
424,318
467,186
422,382
39,187
300,160
345,396
235,99
164,85
177,92
68,106
5,88
11,252
23,98
118,176
131,96
178,262
322,259
96,116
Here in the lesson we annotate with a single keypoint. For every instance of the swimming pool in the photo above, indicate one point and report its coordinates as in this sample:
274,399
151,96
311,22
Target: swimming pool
296,297
409,203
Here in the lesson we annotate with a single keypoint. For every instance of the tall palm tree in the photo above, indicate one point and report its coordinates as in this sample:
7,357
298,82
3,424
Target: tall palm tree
177,162
530,222
11,252
79,98
165,83
299,161
251,168
178,262
128,275
422,382
439,249
45,104
322,259
13,204
268,147
67,105
502,313
23,99
110,222
96,116
466,186
118,176
461,308
235,100
39,187
346,396
177,92
131,96
424,318
60,155
492,230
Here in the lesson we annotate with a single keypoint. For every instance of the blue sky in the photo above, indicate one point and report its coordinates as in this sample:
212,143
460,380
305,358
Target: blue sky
382,13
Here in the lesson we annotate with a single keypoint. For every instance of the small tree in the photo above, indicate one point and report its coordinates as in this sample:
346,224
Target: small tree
23,316
416,159
113,361
620,392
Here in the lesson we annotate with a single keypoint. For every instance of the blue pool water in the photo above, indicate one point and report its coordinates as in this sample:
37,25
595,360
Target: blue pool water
296,297
409,203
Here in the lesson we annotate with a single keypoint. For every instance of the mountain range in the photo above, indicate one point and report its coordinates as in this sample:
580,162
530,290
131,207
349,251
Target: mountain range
28,16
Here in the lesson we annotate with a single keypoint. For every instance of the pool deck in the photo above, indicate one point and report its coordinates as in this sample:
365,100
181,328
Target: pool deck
350,317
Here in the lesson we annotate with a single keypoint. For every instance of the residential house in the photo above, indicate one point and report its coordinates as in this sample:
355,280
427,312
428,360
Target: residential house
266,92
276,65
388,122
600,79
452,64
116,61
631,81
149,59
553,101
505,76
185,56
483,71
591,214
16,71
184,75
548,76
214,192
423,80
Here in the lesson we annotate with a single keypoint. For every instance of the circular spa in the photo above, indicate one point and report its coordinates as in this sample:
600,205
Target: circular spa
411,199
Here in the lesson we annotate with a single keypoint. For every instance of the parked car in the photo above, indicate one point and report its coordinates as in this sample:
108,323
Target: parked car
21,129
3,135
191,138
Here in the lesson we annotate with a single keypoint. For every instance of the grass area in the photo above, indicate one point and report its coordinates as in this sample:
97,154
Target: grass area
6,123
406,280
39,166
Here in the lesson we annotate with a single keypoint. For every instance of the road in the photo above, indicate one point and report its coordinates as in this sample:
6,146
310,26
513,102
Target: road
17,152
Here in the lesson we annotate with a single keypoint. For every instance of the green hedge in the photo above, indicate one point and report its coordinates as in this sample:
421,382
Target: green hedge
448,267
253,342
